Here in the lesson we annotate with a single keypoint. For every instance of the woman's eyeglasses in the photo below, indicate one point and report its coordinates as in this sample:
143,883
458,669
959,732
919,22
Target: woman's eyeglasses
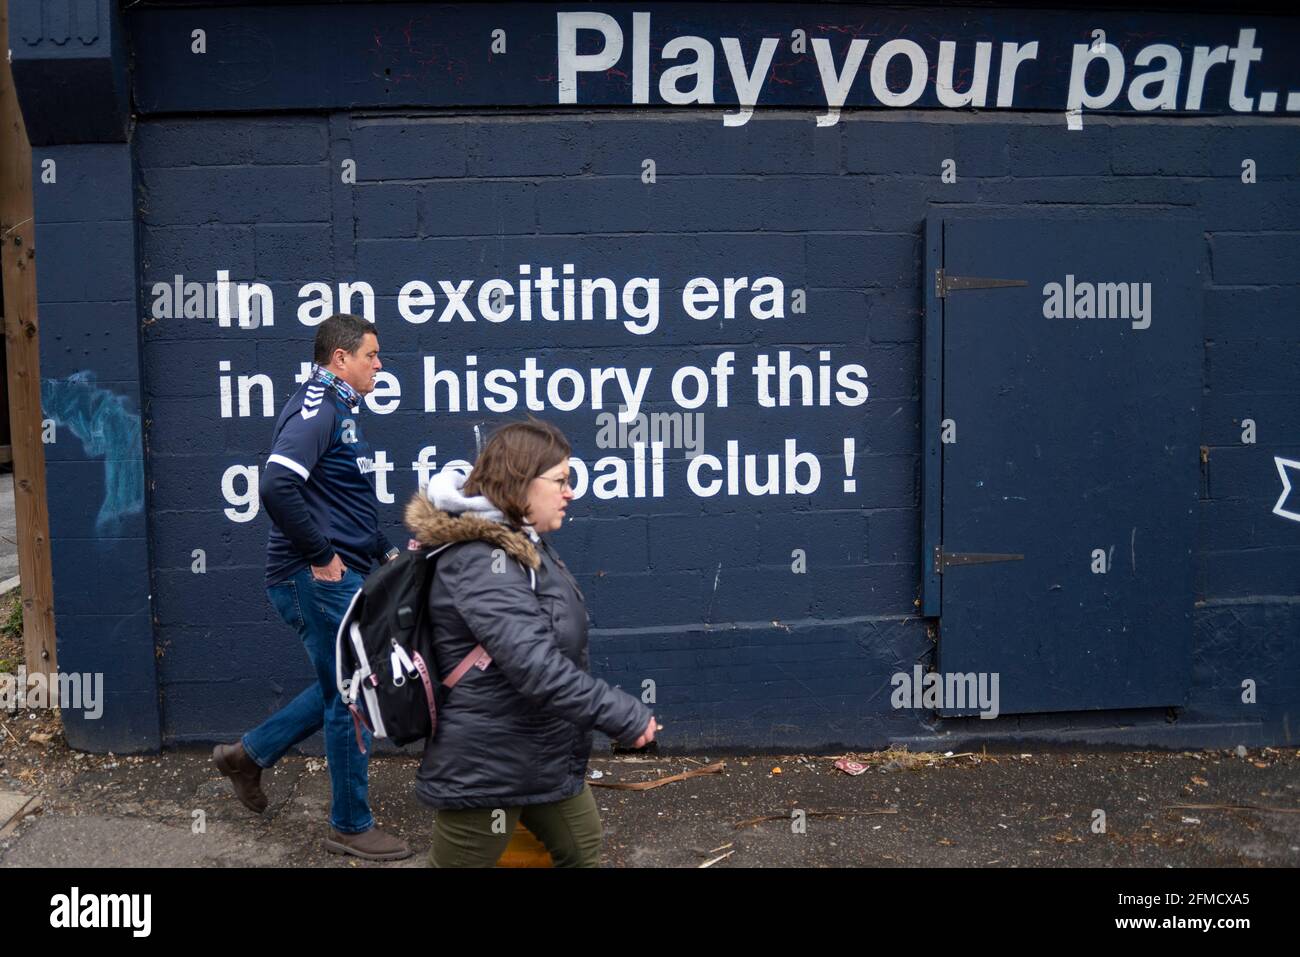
560,481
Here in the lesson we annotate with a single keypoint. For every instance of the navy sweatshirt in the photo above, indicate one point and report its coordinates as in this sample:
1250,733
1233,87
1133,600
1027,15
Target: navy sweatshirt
318,487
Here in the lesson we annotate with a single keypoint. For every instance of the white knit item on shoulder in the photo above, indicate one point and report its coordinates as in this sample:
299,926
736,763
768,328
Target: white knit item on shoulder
444,492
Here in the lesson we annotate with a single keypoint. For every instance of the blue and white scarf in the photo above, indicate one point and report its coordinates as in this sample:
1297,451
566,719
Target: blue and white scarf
348,394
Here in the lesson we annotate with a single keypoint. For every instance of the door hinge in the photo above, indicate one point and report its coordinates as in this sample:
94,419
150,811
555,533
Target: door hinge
943,559
944,284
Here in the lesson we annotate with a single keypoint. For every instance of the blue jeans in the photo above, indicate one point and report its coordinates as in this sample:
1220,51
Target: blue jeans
315,609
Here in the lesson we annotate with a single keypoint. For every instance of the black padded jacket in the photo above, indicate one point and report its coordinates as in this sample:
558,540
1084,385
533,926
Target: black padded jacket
520,731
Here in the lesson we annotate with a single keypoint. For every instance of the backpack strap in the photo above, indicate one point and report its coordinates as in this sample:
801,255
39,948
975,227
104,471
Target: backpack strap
478,658
429,696
357,722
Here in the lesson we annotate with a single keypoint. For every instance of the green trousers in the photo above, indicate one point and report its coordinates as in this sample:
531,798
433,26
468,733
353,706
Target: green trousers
477,837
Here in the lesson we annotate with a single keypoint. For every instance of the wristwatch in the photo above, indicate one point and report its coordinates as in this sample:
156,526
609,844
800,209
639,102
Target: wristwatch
391,554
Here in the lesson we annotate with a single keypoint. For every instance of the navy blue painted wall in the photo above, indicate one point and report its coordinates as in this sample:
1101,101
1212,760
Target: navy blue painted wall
694,593
837,212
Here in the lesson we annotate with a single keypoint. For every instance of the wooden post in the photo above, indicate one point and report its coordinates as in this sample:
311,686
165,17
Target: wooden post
22,349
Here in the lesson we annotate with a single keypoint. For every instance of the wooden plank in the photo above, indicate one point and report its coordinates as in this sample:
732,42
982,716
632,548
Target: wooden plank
22,352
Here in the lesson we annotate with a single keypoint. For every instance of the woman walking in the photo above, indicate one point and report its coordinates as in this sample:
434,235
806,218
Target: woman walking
514,736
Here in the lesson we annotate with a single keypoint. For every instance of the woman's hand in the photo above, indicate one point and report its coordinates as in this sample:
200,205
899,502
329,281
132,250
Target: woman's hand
648,735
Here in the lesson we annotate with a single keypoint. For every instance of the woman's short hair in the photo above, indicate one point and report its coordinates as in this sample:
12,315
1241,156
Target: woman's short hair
513,456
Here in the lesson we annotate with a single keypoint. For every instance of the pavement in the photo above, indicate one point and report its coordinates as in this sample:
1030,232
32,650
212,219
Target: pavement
982,810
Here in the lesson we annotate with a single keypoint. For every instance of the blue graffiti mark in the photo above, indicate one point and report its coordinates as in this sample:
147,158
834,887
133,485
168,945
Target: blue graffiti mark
105,426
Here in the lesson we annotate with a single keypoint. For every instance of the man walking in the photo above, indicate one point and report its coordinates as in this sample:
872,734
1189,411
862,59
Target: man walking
319,490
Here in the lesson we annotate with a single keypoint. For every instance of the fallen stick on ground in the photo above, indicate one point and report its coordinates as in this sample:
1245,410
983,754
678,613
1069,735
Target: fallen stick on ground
27,810
786,817
715,768
1234,807
716,859
918,757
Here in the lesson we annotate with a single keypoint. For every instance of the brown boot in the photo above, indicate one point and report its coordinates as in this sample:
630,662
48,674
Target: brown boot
371,845
232,761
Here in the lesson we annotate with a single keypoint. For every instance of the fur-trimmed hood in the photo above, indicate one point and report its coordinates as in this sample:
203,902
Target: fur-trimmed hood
432,526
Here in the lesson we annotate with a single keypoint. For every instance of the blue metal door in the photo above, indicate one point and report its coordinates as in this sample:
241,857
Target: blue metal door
1063,455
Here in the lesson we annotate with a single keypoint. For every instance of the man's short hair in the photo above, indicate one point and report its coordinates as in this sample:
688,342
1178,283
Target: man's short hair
340,331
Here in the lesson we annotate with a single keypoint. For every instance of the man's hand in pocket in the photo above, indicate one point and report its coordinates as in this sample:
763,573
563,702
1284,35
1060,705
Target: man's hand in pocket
332,572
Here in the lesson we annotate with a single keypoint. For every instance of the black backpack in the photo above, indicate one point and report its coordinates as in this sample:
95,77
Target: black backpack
384,652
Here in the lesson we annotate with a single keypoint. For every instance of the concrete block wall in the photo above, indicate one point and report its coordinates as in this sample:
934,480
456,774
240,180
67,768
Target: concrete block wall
697,594
91,397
